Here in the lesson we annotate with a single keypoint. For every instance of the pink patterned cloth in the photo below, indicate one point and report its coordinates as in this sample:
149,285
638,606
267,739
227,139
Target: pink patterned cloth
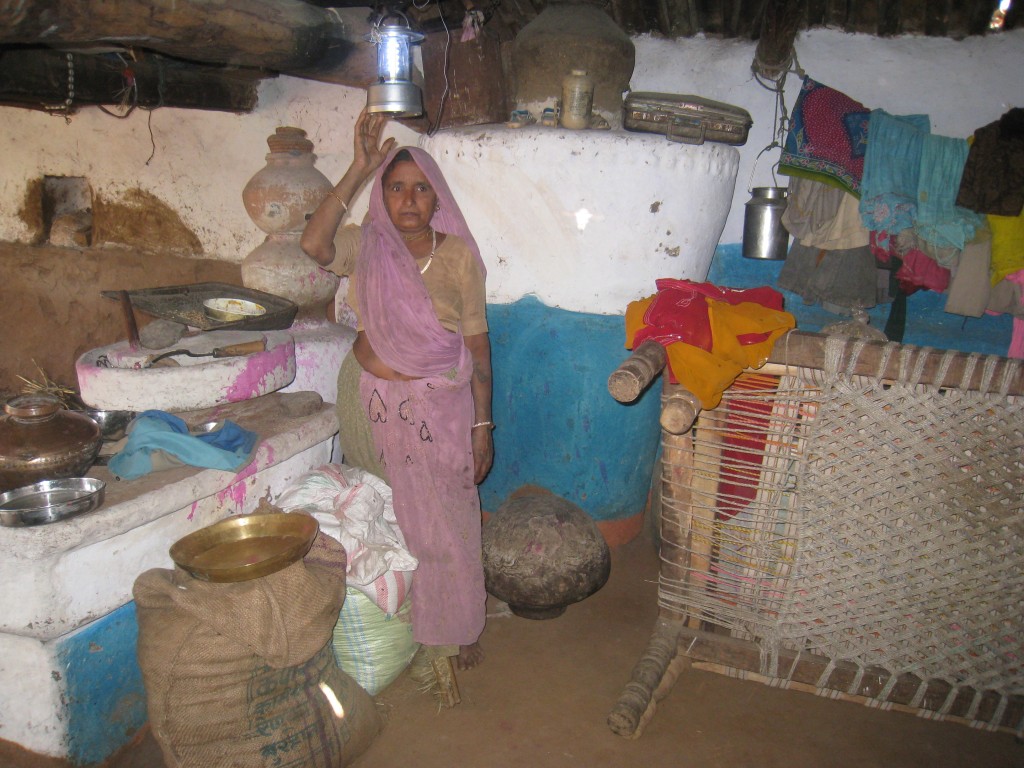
422,428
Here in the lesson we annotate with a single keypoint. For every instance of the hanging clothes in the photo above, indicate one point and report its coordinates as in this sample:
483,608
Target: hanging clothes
827,139
822,216
1007,245
993,177
844,277
919,271
892,169
970,286
940,220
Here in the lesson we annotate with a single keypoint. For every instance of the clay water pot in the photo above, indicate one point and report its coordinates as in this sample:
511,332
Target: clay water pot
279,198
41,440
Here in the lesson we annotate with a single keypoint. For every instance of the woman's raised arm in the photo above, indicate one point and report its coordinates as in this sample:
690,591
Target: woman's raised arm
318,237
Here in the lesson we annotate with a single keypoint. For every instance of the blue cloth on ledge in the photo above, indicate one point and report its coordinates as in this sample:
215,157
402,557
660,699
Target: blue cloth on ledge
160,440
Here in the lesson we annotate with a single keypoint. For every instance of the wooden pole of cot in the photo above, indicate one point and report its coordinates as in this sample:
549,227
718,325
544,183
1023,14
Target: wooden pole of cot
638,370
800,349
636,373
654,673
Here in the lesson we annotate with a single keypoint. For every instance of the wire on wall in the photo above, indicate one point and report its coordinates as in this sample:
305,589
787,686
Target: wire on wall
436,123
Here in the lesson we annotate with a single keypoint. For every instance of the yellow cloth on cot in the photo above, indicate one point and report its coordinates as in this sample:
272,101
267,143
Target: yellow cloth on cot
635,312
709,374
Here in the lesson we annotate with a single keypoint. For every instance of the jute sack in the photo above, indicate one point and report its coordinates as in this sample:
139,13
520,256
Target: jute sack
243,675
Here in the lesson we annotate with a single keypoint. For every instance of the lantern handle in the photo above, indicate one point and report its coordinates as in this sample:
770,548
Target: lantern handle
375,37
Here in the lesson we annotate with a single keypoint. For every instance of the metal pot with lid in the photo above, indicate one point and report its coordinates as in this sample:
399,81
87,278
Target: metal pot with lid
42,440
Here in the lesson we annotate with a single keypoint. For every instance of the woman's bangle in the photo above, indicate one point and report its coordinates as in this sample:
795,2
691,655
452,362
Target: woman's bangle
488,424
337,197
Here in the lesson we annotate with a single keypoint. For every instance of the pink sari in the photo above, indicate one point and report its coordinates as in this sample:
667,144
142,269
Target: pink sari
422,428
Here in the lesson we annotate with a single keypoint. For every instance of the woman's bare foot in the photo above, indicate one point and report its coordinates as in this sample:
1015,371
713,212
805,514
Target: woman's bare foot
469,656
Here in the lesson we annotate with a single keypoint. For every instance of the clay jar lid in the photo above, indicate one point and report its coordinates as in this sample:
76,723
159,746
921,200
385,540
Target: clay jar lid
42,440
289,139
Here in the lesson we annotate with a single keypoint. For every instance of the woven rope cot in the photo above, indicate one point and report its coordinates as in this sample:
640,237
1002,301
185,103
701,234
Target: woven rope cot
852,526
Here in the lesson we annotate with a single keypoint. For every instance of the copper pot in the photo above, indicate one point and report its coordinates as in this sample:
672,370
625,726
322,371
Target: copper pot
41,440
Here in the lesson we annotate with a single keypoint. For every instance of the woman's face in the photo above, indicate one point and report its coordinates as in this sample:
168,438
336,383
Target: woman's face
409,198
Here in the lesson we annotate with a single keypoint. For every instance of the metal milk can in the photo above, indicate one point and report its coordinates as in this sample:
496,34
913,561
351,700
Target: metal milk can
764,236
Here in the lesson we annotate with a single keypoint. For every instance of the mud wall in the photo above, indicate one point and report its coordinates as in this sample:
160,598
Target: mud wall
52,309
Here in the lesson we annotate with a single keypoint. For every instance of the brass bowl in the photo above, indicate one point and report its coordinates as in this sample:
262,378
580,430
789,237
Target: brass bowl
245,547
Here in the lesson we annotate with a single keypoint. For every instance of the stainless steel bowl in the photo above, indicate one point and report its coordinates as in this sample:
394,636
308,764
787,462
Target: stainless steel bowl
207,427
50,501
113,424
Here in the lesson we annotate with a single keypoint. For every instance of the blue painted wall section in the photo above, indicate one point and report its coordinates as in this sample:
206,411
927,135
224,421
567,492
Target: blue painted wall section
927,324
557,426
105,701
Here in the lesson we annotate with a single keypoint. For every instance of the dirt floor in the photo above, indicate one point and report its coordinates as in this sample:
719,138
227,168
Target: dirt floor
544,692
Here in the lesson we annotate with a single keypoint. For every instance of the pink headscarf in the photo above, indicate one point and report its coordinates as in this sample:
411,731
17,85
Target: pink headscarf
397,313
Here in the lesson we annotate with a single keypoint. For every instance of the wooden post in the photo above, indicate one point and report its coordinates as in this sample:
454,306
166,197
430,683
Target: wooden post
654,673
780,23
638,696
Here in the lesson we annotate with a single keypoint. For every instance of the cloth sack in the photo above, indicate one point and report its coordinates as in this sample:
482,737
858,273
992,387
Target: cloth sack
243,675
354,507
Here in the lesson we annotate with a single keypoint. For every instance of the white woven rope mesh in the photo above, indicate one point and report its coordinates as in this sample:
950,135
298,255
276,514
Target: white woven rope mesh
867,522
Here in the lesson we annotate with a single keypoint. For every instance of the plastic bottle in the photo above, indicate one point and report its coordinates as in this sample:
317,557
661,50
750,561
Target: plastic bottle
577,99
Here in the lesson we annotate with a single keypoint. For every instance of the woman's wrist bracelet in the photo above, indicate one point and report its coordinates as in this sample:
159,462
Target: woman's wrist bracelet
488,424
337,197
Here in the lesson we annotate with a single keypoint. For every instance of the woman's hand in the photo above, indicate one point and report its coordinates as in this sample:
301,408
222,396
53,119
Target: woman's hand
479,347
483,453
369,152
317,238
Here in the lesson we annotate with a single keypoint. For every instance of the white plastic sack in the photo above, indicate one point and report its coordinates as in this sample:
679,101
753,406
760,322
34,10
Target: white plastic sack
371,646
354,507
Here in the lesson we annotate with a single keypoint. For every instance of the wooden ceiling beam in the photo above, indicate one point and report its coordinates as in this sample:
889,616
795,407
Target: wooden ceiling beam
37,78
287,36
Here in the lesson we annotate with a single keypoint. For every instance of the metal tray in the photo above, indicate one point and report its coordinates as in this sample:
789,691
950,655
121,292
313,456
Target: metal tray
245,547
184,304
50,500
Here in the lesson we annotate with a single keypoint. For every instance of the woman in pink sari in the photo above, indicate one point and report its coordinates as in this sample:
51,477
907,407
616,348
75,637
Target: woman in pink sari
422,368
